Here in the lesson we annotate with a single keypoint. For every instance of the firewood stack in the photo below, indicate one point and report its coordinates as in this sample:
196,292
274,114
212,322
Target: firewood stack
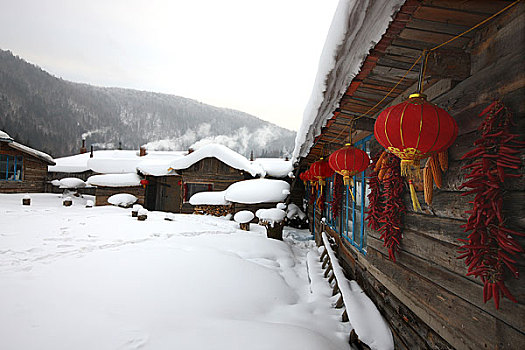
215,210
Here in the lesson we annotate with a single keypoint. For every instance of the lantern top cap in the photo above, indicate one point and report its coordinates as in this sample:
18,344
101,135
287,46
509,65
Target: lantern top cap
417,95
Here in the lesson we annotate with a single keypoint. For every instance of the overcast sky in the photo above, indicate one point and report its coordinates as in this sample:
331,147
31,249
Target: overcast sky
257,56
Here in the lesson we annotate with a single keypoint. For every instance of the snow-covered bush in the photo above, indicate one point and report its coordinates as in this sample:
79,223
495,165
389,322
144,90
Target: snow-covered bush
124,200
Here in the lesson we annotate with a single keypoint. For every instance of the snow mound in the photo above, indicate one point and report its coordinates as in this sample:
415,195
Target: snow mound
222,153
114,180
124,200
275,167
69,182
209,198
271,216
257,191
243,216
294,211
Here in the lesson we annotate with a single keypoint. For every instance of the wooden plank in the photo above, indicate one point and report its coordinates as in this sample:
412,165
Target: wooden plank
445,15
432,37
464,288
481,7
464,326
439,27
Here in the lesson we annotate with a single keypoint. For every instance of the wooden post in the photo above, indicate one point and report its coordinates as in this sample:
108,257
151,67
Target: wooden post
26,201
275,231
245,226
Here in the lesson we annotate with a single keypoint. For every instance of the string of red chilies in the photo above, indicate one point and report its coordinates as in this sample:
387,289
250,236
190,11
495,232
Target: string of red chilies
337,196
385,212
490,247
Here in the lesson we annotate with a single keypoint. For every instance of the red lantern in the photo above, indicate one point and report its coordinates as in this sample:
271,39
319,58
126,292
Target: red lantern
144,183
320,170
349,161
414,130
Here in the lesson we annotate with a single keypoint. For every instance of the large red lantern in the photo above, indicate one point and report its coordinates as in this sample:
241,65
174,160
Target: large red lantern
348,161
320,170
414,130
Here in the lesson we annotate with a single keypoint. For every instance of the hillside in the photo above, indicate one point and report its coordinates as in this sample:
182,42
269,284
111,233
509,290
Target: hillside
52,114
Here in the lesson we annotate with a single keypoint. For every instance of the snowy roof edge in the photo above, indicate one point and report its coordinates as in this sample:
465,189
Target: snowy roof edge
35,153
356,27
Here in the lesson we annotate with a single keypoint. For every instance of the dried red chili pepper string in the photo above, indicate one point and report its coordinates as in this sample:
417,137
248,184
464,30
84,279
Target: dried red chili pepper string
490,247
394,207
337,197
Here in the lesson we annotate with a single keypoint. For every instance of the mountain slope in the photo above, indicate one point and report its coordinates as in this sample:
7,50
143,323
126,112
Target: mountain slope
52,114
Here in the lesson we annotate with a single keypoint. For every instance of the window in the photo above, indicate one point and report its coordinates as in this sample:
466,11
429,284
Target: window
11,167
191,188
355,204
329,196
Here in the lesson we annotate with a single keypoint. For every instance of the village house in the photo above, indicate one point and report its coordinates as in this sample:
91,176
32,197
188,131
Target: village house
374,57
22,169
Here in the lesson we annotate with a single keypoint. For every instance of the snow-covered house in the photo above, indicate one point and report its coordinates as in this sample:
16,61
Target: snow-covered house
121,171
427,294
215,167
22,169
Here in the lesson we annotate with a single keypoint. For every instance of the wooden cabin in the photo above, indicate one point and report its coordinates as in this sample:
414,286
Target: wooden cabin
425,295
22,169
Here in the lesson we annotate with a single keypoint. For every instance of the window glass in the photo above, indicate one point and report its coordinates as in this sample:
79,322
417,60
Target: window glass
192,188
11,167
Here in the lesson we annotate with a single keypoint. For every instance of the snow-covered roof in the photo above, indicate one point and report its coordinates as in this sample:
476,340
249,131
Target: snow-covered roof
275,167
117,162
38,154
4,137
209,198
222,153
258,191
114,180
356,27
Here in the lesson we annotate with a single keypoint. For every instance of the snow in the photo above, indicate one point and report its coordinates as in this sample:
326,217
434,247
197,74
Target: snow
38,154
275,167
117,162
257,191
114,180
356,27
89,203
77,278
209,198
370,326
142,212
294,211
281,206
69,182
26,196
222,153
271,216
137,207
123,200
5,137
243,216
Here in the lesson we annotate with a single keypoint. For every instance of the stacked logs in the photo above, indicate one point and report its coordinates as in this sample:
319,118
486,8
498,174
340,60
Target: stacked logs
215,210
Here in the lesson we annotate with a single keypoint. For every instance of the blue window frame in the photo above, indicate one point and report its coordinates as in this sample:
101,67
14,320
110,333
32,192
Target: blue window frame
353,215
329,196
11,167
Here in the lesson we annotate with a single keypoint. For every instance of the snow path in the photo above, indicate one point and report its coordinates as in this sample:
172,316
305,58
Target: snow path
96,278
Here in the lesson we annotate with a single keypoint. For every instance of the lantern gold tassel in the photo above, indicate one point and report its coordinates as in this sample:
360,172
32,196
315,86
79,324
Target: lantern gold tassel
413,196
410,169
351,189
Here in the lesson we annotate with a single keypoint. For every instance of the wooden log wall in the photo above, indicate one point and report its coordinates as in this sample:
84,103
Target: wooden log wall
34,173
426,295
212,170
103,193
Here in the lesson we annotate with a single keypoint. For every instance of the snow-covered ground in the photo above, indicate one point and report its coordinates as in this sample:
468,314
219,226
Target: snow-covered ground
96,278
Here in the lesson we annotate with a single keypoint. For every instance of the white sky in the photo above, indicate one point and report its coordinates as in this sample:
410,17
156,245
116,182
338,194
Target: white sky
257,56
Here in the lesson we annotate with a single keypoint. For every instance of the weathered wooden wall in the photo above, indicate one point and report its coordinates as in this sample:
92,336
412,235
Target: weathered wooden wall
103,193
212,170
163,193
426,296
34,173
